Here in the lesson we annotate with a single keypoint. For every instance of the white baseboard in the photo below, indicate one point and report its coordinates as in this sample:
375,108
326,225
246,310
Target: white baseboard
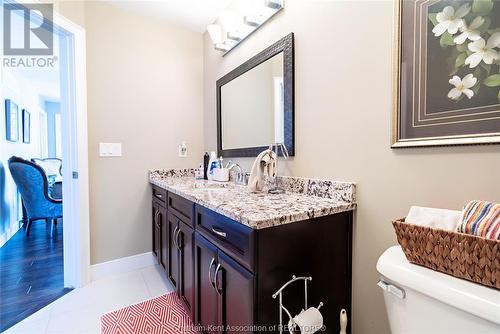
9,232
122,265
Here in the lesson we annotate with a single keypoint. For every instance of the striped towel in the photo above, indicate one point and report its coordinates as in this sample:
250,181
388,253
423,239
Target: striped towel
482,219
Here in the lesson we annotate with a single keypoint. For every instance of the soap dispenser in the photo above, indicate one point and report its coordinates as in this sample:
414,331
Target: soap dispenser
212,164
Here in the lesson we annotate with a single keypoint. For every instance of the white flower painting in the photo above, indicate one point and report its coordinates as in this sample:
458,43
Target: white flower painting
469,31
450,20
447,68
462,86
483,51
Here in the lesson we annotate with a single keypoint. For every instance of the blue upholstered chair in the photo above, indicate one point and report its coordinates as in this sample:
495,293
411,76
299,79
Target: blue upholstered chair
51,166
33,186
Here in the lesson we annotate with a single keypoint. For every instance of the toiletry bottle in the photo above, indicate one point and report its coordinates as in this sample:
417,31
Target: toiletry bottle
198,173
206,158
212,164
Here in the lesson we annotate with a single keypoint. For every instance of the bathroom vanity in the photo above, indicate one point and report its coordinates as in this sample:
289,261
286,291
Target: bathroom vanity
227,251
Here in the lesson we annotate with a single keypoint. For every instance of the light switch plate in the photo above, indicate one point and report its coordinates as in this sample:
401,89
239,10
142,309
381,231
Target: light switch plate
110,149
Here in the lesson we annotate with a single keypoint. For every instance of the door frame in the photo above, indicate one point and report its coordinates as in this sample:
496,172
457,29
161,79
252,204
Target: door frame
75,167
76,232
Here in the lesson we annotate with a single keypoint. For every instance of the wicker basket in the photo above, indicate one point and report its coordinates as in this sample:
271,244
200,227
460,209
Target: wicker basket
461,255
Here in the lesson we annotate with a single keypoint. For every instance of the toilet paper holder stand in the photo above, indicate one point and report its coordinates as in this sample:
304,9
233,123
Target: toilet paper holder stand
279,294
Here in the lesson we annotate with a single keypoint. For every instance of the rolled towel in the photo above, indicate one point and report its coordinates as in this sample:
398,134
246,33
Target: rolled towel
431,217
264,165
482,219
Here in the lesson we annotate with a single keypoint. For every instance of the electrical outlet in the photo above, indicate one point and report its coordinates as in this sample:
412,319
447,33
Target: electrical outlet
183,152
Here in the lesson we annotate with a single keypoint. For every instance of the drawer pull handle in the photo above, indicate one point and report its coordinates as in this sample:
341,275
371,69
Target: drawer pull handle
216,284
210,271
159,196
221,233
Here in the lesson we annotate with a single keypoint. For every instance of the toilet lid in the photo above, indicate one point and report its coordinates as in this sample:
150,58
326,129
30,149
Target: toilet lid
470,297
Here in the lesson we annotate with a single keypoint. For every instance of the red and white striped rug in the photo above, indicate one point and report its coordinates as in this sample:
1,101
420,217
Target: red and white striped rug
160,315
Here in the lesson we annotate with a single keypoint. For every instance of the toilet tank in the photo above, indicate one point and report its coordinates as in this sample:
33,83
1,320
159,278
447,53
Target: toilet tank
421,300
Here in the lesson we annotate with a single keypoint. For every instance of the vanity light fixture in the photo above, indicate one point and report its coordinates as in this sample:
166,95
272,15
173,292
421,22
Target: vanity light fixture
252,21
234,36
223,47
274,4
215,32
231,28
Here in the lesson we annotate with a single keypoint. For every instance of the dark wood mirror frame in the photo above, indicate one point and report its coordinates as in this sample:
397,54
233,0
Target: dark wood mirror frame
285,45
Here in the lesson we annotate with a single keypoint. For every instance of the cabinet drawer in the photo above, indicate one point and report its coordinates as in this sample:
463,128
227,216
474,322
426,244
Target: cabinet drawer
232,237
160,196
182,207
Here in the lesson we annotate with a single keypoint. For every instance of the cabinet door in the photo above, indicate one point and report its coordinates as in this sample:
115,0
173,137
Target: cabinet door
163,225
173,252
185,287
156,232
205,295
235,288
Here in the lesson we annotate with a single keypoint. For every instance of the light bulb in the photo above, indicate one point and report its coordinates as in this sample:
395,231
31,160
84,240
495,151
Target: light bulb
215,32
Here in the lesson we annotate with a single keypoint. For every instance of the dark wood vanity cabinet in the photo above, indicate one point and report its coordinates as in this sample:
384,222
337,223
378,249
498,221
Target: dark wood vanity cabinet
160,247
206,297
173,243
224,290
180,259
236,287
173,256
185,286
225,272
156,233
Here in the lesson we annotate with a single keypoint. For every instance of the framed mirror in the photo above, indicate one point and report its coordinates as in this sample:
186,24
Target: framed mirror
255,103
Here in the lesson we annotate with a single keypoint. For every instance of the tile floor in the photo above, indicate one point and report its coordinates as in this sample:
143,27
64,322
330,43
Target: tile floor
80,310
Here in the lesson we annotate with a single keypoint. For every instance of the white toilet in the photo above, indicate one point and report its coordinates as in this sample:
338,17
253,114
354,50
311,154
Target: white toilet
420,300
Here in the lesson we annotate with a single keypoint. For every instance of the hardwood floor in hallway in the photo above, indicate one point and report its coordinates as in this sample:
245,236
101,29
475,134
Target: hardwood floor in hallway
31,272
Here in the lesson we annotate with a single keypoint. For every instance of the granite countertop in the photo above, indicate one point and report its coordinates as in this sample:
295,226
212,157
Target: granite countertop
304,198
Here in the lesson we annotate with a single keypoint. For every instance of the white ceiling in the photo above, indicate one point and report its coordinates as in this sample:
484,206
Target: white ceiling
192,14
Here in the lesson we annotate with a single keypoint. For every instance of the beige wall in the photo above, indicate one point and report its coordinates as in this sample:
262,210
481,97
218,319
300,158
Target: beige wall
144,82
144,88
73,10
343,110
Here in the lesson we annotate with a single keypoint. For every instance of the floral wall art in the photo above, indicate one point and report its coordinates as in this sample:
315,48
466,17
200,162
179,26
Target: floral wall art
447,72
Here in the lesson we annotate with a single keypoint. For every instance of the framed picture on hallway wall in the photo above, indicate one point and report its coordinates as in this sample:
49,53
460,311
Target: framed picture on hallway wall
446,73
11,121
26,127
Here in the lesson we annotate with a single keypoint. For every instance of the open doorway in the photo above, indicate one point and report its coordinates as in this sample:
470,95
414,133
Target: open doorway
43,166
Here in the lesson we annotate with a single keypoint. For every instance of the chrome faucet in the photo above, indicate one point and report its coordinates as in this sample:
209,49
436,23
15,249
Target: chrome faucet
277,189
240,176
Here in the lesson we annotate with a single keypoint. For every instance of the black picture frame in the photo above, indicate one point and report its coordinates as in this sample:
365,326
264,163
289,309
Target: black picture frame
285,45
26,127
11,121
